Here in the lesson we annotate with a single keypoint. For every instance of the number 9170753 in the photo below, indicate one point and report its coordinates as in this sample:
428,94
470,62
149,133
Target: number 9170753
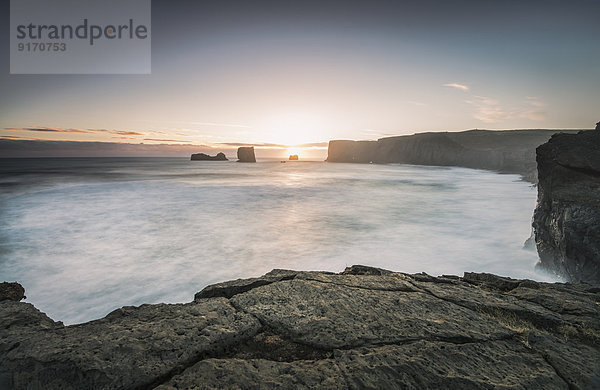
42,46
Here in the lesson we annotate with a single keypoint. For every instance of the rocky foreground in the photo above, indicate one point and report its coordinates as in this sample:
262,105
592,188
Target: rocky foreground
363,328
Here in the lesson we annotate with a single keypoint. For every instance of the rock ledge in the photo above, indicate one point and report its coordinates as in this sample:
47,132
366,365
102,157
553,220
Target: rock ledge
363,328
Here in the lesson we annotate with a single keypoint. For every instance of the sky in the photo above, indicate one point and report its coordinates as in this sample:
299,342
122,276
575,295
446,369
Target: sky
298,74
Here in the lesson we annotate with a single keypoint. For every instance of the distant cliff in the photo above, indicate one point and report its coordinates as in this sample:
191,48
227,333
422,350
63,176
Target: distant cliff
507,151
567,216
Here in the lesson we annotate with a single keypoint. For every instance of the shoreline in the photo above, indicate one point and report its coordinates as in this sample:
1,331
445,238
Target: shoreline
502,151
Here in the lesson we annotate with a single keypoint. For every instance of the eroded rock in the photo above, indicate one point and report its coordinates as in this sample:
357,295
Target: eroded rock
246,154
328,315
205,157
132,347
363,328
11,291
567,217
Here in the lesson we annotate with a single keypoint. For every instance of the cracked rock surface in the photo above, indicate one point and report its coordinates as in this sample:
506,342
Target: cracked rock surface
363,328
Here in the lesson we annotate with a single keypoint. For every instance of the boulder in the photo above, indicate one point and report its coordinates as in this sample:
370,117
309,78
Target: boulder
246,154
567,216
11,292
205,157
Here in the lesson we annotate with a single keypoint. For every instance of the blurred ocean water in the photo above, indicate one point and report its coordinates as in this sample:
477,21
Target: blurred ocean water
86,236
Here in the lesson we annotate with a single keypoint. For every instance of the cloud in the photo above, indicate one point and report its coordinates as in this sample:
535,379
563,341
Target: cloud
534,101
374,133
313,145
534,115
271,145
16,137
164,140
65,130
490,110
257,144
118,132
534,112
416,103
462,87
48,129
47,148
217,124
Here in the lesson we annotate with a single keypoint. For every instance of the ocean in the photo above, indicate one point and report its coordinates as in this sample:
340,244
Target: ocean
85,236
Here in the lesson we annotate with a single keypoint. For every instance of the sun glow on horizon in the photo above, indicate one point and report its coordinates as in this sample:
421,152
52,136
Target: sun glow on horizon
292,128
295,151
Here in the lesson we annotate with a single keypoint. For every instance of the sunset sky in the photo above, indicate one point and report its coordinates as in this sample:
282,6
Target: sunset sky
281,73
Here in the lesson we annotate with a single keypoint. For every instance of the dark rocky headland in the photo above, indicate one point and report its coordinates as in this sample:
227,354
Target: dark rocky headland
363,328
205,157
567,217
507,151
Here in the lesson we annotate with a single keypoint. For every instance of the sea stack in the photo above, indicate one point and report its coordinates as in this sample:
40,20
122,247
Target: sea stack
246,154
567,217
293,157
205,157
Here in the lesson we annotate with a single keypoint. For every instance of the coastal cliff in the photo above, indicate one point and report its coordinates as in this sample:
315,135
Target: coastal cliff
567,217
507,151
363,328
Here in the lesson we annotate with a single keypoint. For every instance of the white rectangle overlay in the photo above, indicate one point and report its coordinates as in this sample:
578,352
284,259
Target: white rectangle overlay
80,37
